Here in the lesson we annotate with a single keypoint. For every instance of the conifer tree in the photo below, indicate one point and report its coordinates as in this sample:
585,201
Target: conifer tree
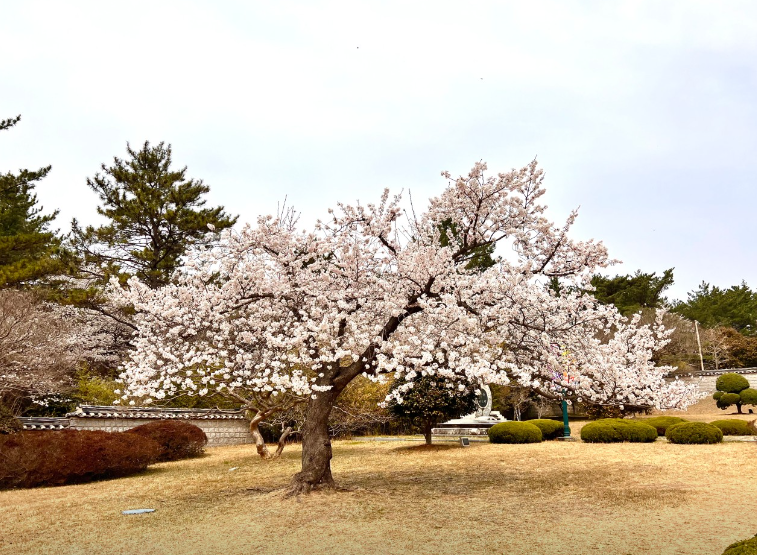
155,213
29,250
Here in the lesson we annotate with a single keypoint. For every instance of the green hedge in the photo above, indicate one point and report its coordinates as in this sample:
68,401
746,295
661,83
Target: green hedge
662,423
616,430
550,429
694,433
515,432
733,427
744,547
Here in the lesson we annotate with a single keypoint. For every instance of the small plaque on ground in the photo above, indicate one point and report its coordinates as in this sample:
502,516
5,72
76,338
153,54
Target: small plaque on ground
465,442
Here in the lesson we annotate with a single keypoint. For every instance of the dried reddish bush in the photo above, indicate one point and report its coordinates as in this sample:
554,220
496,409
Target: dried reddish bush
55,458
177,440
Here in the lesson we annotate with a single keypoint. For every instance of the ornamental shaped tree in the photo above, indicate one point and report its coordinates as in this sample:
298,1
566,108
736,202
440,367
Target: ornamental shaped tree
430,400
29,250
274,315
733,389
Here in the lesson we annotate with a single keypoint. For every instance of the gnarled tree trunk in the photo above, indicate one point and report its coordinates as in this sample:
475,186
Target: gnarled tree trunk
260,445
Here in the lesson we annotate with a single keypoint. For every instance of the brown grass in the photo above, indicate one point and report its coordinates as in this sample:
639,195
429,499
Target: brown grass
549,498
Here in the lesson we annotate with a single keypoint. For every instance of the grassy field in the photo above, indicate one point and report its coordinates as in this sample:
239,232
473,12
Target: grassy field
549,498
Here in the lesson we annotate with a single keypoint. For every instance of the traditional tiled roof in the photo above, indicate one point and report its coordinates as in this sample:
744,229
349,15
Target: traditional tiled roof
39,423
154,413
752,370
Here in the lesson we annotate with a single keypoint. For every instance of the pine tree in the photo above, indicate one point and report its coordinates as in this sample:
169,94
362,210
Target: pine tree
29,250
155,214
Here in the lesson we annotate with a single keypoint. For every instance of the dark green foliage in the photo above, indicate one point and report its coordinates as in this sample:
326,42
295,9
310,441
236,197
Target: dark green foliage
744,547
177,440
479,258
662,423
29,250
748,396
155,214
631,293
734,307
717,395
515,432
617,430
56,458
550,429
694,433
431,400
733,427
731,383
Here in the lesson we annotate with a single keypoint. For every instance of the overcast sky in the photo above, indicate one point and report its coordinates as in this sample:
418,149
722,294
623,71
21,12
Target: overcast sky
644,114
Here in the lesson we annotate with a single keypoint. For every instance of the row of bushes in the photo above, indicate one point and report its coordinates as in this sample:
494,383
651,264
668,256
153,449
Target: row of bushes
54,458
675,430
730,427
613,430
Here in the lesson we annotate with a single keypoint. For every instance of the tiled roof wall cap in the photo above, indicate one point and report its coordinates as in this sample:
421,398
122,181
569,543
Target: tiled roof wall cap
96,411
41,423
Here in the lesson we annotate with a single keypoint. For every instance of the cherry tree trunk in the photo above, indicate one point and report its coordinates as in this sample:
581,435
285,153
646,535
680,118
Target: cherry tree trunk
427,426
316,445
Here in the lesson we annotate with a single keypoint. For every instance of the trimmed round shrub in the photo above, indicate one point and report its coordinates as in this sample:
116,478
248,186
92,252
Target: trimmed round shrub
717,395
515,432
744,547
748,396
733,427
694,433
550,429
55,458
617,430
177,440
662,423
731,382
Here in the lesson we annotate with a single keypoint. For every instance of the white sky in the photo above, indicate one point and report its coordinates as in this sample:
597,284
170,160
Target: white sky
642,113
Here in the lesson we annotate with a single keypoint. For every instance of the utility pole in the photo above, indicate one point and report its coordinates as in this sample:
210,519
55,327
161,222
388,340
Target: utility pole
699,343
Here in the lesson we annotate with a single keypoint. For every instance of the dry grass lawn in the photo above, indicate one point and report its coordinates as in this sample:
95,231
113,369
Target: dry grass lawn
549,498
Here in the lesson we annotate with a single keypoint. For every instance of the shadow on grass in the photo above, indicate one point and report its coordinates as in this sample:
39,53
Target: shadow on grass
423,448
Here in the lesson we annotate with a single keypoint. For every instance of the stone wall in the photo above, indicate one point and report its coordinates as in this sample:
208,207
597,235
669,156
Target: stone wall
221,427
219,432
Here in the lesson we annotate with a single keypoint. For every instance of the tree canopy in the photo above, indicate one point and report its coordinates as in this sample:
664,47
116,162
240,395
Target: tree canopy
631,293
29,250
712,306
155,214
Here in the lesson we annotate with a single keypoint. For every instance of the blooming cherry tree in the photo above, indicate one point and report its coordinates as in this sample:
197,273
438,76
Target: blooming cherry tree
275,315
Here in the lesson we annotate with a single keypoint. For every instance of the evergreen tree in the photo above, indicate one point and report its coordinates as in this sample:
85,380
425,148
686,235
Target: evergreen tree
711,306
431,400
155,214
29,250
631,293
